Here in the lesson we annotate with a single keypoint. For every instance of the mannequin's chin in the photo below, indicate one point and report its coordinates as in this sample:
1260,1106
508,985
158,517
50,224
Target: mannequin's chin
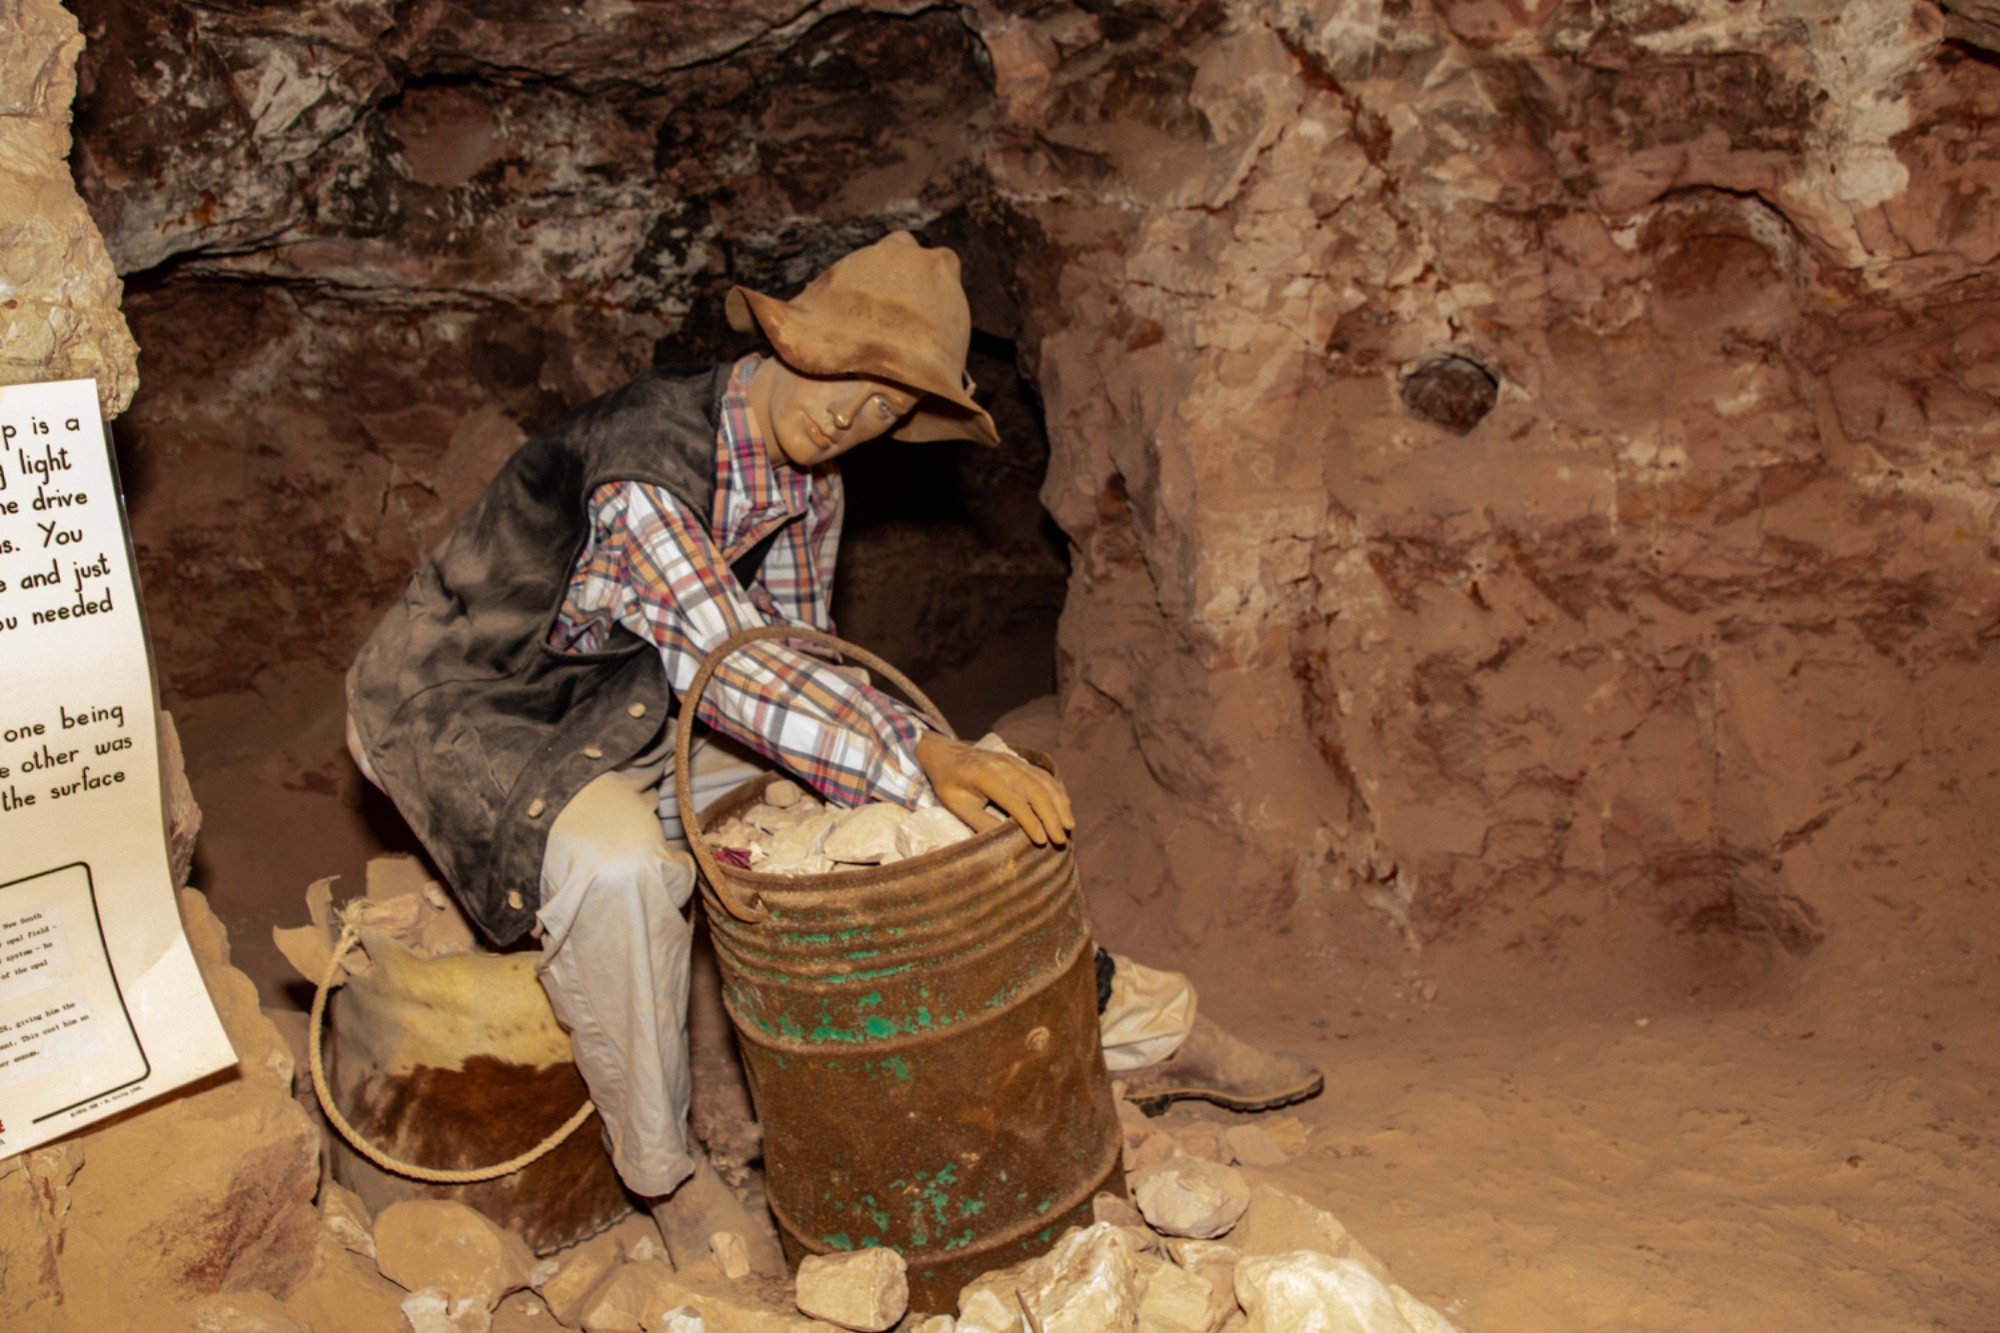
802,452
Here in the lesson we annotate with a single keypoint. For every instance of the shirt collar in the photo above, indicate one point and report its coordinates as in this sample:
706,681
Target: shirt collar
743,467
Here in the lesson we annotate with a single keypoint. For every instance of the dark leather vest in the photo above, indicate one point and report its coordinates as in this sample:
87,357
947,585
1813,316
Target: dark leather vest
476,727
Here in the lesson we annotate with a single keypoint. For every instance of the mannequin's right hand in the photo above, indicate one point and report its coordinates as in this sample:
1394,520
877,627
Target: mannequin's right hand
966,778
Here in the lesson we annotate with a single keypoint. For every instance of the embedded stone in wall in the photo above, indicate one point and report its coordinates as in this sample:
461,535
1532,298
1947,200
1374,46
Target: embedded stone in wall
1455,392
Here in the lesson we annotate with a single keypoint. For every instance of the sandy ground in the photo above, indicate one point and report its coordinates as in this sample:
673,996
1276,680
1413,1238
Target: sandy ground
1534,1145
1770,1169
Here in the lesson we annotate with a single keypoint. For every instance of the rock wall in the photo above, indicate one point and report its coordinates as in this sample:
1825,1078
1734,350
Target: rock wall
186,1211
381,244
59,314
1526,461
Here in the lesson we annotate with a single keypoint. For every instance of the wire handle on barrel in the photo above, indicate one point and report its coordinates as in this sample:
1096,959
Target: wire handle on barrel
744,904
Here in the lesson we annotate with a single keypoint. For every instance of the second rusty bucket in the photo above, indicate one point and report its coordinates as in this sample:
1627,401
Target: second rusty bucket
921,1038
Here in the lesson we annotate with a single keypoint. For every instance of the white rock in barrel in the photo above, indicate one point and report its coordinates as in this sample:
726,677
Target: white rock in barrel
866,836
1310,1292
797,850
930,828
1191,1196
867,1290
432,1243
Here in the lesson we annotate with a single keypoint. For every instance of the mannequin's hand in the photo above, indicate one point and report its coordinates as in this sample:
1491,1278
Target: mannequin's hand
965,778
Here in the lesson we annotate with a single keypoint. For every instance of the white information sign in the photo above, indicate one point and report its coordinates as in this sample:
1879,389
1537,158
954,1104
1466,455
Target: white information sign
101,1005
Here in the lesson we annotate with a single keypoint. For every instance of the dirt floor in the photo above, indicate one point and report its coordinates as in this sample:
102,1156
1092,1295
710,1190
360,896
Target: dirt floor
1787,1166
1724,1138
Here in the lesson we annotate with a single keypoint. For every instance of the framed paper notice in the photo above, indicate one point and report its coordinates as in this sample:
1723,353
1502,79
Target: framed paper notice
101,1005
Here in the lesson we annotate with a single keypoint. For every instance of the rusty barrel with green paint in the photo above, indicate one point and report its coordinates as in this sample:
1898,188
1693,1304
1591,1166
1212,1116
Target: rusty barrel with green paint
922,1046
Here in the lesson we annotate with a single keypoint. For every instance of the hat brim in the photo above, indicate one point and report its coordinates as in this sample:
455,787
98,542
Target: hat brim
931,420
866,346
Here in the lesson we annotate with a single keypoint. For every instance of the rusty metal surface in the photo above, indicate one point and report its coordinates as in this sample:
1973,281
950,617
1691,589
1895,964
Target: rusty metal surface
922,1046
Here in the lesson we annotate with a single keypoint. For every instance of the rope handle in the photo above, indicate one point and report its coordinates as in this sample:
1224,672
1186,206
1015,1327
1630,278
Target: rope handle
349,936
745,904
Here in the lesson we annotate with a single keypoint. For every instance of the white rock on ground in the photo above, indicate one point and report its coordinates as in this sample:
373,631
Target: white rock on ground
1086,1284
523,1312
1191,1196
1214,1262
1279,1223
1119,1212
345,1217
1175,1299
986,1310
432,1311
641,1295
1288,1132
631,1298
434,1243
731,1255
867,1290
1146,1152
1253,1147
1204,1138
1309,1292
577,1271
245,1312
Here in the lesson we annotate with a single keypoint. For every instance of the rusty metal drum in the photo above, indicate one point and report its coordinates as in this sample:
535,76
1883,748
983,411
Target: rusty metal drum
922,1045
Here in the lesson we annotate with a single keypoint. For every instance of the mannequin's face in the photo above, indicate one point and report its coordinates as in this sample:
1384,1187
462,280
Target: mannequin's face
809,420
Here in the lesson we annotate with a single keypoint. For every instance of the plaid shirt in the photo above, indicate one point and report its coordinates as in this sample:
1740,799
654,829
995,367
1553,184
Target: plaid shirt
651,567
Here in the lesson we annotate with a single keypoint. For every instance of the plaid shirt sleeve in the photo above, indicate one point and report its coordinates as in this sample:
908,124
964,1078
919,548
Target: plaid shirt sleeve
652,568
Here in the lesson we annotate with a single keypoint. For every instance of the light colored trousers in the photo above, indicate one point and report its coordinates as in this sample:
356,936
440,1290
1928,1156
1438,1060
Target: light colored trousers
615,954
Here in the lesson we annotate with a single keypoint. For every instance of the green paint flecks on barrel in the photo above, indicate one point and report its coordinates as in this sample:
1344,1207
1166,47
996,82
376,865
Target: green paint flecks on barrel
948,1099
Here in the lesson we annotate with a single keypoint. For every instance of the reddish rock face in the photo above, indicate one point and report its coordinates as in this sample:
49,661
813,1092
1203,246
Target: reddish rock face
1529,465
1607,660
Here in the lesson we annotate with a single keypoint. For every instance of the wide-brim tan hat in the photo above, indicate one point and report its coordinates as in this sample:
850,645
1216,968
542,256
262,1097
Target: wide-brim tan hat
893,310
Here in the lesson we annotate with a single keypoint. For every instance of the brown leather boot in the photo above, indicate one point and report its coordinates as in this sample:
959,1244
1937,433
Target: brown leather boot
704,1205
1212,1066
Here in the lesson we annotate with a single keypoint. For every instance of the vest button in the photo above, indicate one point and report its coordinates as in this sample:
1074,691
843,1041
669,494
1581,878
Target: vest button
536,806
637,710
592,752
514,900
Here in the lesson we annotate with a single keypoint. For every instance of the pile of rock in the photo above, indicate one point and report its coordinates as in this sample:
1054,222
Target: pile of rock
1203,1252
791,832
1199,1249
463,1274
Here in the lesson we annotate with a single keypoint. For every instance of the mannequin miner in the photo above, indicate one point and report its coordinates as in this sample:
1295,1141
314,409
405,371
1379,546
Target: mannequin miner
515,703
